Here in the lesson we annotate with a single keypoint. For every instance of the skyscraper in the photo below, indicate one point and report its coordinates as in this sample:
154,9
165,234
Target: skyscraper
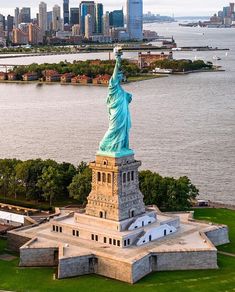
2,22
135,19
35,34
88,26
74,15
43,17
10,21
56,18
17,16
25,15
106,26
86,7
98,17
116,18
49,21
66,11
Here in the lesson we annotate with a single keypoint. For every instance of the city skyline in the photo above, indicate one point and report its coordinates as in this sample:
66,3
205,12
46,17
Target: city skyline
163,7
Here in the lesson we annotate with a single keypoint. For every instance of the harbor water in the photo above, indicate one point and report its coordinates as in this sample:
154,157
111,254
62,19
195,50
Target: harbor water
182,125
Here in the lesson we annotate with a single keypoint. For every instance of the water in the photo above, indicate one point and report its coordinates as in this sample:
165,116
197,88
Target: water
182,125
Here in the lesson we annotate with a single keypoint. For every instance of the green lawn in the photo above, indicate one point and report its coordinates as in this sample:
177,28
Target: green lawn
41,279
143,77
222,216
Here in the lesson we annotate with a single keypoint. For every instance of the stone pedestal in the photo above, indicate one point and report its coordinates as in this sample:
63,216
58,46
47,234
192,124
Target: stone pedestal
115,191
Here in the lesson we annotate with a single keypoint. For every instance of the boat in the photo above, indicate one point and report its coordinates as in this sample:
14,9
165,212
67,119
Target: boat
162,71
216,58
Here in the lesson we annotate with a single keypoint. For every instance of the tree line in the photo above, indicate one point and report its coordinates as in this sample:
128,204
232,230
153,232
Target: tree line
49,181
89,68
182,65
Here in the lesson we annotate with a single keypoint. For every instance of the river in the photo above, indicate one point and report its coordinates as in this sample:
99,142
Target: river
182,125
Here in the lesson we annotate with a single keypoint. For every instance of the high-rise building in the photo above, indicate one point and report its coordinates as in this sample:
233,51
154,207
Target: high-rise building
98,18
49,21
135,19
35,34
66,11
10,22
42,18
2,22
106,26
232,7
17,17
75,30
25,15
116,18
88,26
86,7
20,37
56,18
74,15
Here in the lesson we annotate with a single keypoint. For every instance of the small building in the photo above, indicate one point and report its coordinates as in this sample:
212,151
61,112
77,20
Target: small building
30,76
101,79
51,76
65,78
82,79
12,76
3,76
145,60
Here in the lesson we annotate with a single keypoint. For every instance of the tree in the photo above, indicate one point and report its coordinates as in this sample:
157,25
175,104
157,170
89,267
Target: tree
49,183
167,193
80,187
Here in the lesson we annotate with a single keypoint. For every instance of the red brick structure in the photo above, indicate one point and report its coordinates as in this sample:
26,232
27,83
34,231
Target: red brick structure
30,76
145,60
12,76
83,79
51,76
101,79
3,76
65,78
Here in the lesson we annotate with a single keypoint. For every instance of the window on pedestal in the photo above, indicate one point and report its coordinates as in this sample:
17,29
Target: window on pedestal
132,175
109,178
118,243
92,237
96,238
99,176
105,239
124,178
104,177
101,214
124,242
128,176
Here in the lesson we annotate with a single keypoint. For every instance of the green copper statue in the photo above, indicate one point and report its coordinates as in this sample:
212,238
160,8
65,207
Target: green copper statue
116,140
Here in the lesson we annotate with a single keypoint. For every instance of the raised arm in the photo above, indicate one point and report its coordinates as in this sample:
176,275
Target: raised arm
117,67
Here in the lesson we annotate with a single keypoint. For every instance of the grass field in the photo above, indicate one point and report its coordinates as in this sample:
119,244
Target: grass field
221,216
41,279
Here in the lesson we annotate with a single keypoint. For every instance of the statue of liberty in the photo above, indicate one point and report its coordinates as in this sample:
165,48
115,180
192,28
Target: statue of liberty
116,140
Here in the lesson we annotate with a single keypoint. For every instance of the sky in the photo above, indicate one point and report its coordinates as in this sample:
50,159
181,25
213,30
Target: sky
163,7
